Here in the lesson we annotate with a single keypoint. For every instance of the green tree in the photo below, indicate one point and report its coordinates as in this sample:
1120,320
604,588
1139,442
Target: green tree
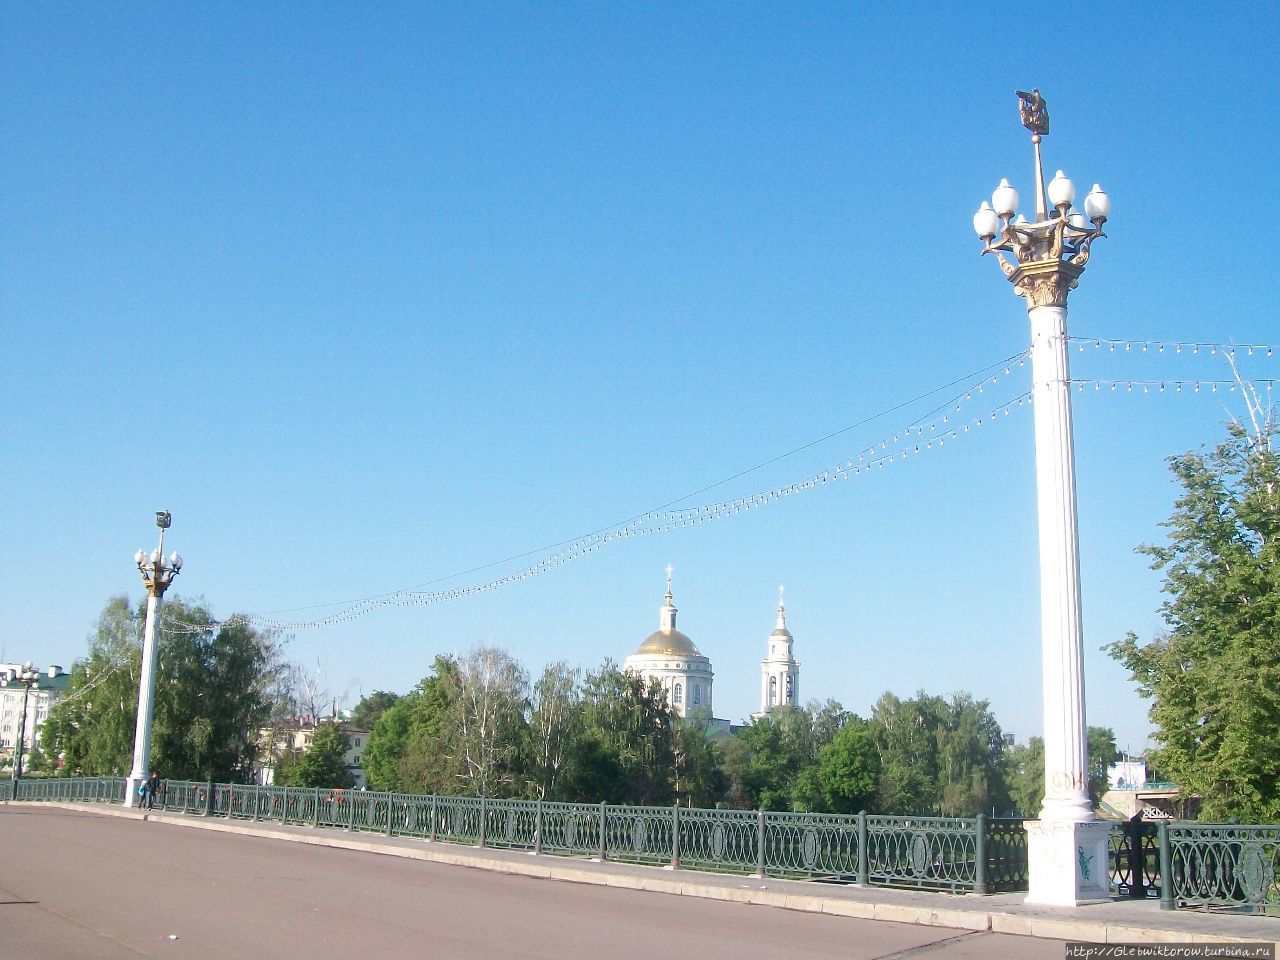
555,719
938,756
1024,774
1213,675
92,727
771,763
625,743
322,764
387,743
696,777
217,686
488,725
1102,754
906,733
370,708
847,774
763,762
411,747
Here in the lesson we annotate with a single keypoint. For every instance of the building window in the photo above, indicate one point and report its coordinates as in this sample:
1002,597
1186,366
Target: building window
790,689
678,696
697,694
357,741
773,691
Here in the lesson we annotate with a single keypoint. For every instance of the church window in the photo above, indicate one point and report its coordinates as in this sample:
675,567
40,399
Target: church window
697,694
773,691
679,693
790,690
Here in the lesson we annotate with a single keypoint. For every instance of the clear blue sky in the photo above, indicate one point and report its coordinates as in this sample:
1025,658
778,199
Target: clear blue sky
368,296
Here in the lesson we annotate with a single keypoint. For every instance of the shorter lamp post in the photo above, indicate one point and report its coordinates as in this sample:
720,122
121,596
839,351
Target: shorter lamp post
29,677
157,574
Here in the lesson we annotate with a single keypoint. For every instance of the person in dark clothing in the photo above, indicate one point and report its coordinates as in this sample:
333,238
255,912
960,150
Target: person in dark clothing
153,787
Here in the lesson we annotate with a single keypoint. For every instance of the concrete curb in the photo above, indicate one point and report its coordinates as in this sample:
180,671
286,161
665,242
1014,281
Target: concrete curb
854,902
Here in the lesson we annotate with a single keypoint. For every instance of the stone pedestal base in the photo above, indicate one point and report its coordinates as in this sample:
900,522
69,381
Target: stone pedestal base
1068,862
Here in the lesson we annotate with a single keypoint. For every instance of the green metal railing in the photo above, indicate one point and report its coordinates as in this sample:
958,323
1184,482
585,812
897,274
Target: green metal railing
963,855
1220,865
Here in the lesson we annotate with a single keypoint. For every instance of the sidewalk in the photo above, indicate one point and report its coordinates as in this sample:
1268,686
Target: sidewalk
1121,921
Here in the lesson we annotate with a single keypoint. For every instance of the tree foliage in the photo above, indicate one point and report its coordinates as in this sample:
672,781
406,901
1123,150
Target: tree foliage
217,686
370,708
322,764
1213,675
766,761
555,713
488,725
626,739
845,778
939,756
410,748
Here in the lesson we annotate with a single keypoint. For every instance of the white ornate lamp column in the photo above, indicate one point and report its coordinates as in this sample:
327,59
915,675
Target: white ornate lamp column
157,574
1067,846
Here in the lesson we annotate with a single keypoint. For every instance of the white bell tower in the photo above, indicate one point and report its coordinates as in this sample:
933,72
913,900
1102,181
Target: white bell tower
779,671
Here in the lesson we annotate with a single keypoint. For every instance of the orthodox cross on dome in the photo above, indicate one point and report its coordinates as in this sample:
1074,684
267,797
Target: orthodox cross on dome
782,610
668,617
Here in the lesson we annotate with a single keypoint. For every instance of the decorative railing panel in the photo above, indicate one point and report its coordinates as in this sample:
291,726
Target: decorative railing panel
1134,860
571,829
935,853
639,834
1006,855
1217,865
721,840
811,845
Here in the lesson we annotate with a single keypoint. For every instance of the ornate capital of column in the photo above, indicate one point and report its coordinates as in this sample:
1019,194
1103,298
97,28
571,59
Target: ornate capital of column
1045,283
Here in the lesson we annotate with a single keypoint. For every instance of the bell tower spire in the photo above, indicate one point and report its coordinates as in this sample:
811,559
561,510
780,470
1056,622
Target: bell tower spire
779,671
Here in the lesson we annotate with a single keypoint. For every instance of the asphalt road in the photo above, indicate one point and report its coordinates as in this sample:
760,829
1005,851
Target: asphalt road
74,885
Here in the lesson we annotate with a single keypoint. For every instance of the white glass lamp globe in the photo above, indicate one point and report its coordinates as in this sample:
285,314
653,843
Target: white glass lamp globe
1077,220
139,558
1005,199
1097,205
986,223
175,560
1061,191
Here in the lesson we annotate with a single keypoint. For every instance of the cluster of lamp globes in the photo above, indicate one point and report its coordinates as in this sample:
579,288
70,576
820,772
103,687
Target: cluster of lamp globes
157,564
989,219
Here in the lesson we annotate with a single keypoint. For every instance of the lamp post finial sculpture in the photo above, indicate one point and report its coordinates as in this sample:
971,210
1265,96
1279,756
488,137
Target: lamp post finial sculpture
1067,846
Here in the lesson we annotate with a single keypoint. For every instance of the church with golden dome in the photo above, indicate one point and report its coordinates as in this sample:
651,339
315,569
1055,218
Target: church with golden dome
685,675
670,657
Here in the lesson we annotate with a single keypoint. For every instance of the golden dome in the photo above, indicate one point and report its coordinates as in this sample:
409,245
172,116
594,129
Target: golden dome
673,643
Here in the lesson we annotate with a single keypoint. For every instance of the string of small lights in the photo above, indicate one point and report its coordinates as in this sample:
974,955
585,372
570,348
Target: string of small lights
1174,346
1172,386
925,433
921,435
